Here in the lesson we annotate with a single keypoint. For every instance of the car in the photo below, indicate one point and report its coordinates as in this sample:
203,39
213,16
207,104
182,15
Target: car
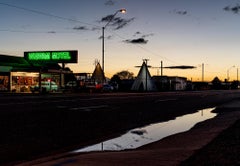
47,86
107,88
71,84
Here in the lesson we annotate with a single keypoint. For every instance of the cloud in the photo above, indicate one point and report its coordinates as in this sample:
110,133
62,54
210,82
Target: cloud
116,22
108,37
80,28
52,32
109,3
138,33
136,41
139,38
180,12
147,35
180,67
235,9
95,28
120,23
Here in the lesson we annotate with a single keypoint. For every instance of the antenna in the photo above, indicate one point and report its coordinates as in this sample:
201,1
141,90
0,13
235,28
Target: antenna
96,61
145,60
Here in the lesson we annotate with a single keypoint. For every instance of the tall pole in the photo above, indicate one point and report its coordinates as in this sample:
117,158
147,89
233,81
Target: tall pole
202,72
146,60
161,75
103,28
146,75
161,68
237,79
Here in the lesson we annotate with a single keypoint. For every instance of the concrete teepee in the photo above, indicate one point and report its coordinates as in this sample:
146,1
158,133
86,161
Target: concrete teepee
143,82
98,74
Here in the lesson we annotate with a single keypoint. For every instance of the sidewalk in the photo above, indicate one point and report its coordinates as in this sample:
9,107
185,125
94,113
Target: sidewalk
171,150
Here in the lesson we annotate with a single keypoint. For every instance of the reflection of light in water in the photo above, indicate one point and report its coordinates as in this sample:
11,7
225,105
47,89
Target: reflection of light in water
154,132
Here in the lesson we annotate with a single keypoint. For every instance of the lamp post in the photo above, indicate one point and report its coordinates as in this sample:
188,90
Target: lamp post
103,29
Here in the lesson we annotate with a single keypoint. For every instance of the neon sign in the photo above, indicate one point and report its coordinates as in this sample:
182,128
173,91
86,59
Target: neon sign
65,55
52,56
39,56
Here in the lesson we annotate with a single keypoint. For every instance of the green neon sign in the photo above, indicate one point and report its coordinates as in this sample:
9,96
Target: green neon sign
39,56
52,56
61,55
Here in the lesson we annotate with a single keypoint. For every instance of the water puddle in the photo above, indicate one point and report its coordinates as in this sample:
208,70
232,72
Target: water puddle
151,133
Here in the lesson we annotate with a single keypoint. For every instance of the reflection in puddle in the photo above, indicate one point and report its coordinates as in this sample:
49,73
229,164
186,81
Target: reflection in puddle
151,133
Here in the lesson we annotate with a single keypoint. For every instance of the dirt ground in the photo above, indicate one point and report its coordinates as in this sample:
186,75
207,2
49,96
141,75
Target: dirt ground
213,142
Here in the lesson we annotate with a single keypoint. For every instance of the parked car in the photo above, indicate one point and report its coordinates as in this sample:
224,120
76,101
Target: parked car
71,84
107,88
47,86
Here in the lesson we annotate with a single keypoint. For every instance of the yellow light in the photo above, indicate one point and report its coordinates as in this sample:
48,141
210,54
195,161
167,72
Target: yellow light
123,10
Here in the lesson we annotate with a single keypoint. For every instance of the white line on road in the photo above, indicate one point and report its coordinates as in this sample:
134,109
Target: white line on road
163,100
89,108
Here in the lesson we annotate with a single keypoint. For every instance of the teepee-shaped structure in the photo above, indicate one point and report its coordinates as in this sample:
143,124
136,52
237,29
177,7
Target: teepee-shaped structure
143,82
98,74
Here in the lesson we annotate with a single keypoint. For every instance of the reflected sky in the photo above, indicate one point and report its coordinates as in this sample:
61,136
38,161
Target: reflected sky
151,133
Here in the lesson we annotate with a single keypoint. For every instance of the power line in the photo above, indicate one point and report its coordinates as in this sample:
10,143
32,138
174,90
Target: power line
145,49
47,32
48,14
74,20
21,31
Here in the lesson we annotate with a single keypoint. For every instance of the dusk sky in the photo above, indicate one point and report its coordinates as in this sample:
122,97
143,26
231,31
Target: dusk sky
177,32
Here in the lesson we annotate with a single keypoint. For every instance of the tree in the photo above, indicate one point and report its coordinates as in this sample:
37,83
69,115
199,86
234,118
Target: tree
125,75
216,83
115,79
122,80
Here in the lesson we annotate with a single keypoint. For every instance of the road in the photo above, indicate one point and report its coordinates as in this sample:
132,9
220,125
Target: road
34,125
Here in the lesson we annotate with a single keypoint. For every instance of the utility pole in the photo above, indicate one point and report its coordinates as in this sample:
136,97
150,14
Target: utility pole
161,68
161,75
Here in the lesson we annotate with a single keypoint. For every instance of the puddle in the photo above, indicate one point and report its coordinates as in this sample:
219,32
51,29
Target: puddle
151,133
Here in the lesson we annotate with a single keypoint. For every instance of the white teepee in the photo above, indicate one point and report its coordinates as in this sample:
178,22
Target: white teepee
143,82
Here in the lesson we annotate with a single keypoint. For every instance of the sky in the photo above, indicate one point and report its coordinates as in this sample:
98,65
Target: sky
176,32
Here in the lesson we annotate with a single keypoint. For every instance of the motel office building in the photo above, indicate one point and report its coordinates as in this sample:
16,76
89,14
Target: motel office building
18,74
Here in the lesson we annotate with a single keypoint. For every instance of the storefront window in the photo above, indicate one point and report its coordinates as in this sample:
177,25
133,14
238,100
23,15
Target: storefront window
22,81
4,80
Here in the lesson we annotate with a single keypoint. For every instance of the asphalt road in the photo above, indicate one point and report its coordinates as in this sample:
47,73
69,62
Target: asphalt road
34,125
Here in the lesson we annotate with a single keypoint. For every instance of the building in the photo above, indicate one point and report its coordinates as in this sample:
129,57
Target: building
18,74
166,83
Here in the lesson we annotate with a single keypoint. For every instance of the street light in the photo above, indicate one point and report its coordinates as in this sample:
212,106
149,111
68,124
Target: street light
103,28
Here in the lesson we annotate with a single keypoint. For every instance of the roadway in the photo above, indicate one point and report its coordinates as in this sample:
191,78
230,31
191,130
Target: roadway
34,125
